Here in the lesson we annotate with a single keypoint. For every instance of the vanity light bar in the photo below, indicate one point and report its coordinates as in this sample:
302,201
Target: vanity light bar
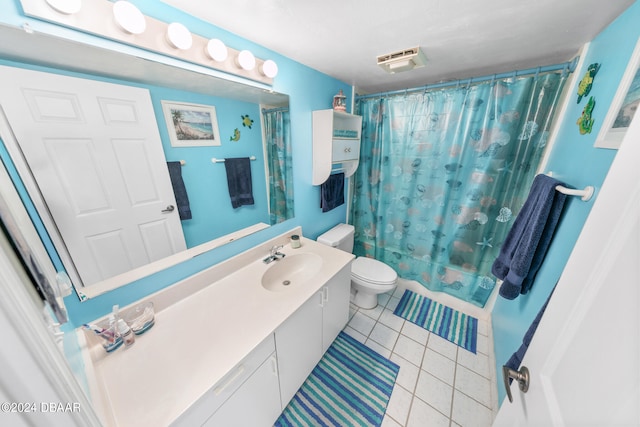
123,22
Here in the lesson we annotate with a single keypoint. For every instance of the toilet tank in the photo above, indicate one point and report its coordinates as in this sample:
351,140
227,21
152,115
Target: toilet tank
340,236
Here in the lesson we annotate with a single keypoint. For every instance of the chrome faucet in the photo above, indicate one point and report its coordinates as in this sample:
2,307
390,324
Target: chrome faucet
274,254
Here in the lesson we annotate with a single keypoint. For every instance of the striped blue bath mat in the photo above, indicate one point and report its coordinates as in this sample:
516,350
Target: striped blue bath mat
444,321
350,386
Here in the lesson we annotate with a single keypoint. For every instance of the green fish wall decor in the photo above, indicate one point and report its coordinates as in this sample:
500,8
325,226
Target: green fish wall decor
584,87
585,122
236,135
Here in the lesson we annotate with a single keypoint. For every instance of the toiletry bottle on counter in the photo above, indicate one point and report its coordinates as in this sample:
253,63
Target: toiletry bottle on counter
125,332
295,241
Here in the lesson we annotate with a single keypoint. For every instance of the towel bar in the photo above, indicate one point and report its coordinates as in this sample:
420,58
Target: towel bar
585,194
214,160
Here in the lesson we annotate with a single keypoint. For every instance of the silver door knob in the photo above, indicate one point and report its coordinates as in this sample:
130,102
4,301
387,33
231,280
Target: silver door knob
169,208
522,376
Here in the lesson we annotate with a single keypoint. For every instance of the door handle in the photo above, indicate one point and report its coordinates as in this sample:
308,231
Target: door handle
522,376
169,208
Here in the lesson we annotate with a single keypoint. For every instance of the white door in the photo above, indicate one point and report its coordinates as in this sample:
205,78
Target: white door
584,359
95,152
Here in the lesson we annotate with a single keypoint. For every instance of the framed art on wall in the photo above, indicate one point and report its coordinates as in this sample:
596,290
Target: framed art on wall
623,106
191,125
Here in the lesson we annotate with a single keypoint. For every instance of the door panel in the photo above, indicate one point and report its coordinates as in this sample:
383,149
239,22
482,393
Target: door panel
94,150
583,358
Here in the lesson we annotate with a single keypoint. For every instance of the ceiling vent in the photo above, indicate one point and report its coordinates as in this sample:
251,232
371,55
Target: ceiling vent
403,60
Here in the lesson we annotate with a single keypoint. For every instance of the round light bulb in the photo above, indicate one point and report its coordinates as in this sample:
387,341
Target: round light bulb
129,17
179,36
269,68
68,7
246,60
216,50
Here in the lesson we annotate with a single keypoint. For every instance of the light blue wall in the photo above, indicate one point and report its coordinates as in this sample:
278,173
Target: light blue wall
575,161
308,89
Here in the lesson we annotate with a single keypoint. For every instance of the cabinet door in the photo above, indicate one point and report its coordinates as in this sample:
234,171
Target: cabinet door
345,149
335,313
255,403
299,346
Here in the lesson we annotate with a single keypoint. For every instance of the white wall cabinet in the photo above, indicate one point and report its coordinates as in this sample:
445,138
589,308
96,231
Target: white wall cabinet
336,139
304,337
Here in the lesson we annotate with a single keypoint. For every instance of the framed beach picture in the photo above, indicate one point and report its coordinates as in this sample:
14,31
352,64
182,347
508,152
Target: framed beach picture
191,125
623,107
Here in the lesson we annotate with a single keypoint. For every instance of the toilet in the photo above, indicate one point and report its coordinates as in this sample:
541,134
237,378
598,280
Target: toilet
369,277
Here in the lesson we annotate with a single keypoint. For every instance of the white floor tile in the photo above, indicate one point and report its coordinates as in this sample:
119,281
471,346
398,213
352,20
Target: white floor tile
391,320
408,374
392,304
374,313
355,334
439,366
435,392
423,415
468,412
378,348
473,385
362,323
483,327
442,346
478,363
409,349
415,332
482,344
387,421
384,335
399,405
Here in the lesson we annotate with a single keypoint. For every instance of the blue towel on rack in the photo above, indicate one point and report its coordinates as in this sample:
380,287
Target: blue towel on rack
239,181
179,190
526,244
332,192
516,358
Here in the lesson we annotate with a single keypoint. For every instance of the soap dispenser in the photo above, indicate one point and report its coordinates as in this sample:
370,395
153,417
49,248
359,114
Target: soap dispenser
123,329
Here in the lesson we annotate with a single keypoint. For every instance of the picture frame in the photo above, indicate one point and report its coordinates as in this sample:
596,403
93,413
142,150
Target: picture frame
623,106
191,125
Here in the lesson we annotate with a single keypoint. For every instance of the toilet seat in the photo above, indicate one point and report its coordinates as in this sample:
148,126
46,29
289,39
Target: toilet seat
373,271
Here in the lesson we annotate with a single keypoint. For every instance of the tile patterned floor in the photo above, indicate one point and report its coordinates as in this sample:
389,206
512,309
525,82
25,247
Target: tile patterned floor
439,384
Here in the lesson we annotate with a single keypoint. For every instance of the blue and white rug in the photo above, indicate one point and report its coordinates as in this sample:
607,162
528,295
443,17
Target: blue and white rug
350,386
452,325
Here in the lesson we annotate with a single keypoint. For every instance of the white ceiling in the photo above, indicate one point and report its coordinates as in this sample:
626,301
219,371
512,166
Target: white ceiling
461,38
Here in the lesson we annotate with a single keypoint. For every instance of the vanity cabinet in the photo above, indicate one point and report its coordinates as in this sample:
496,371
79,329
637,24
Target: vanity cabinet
304,337
336,139
254,380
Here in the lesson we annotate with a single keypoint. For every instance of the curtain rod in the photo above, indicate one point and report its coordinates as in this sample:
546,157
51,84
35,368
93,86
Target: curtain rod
566,67
274,110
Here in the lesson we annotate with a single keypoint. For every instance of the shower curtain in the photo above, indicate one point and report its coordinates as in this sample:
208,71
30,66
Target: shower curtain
278,147
443,174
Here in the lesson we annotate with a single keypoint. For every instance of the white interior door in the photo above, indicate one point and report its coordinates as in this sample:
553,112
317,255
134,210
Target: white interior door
584,358
95,152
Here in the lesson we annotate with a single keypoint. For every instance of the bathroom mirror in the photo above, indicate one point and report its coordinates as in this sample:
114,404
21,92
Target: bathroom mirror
242,111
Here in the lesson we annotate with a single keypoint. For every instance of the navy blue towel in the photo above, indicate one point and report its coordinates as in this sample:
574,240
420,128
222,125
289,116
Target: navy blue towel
526,244
239,181
179,190
516,358
332,192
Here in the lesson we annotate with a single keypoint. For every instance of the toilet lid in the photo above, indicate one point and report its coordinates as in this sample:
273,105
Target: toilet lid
373,271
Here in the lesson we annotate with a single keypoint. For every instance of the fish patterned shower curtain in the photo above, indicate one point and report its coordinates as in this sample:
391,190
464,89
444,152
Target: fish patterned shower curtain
444,173
280,174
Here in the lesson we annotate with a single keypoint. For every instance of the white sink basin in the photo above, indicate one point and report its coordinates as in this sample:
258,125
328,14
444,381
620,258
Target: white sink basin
290,271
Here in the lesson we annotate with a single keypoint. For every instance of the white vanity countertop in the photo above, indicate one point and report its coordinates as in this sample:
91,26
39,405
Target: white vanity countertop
199,339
